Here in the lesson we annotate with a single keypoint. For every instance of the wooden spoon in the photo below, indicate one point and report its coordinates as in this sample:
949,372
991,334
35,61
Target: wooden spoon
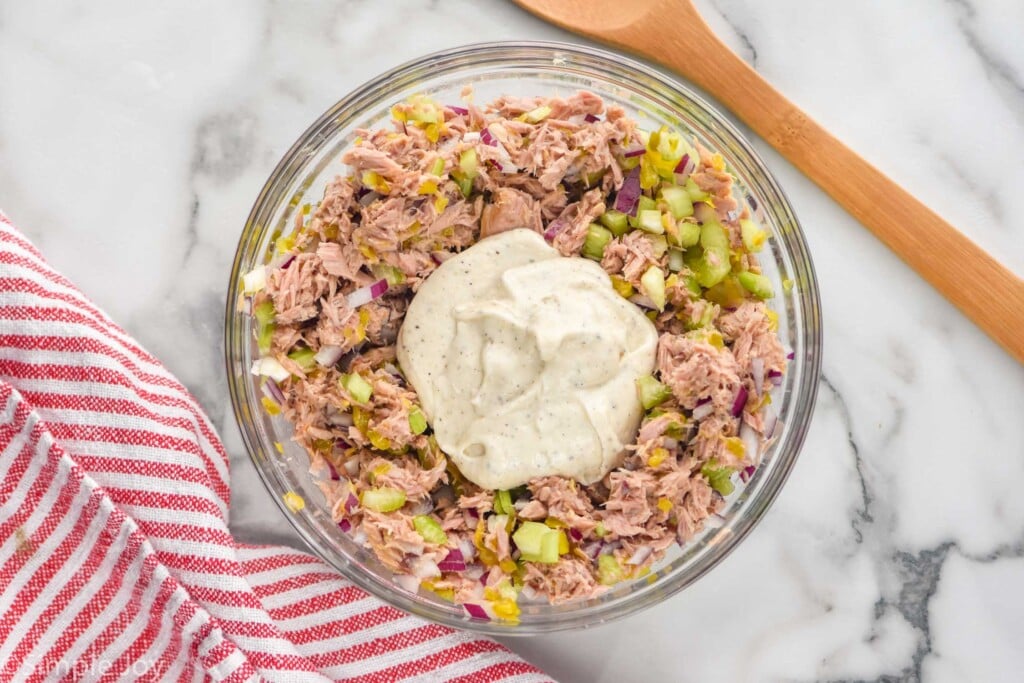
982,288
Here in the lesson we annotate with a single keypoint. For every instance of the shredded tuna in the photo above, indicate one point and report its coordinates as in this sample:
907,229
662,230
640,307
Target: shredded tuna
509,209
404,205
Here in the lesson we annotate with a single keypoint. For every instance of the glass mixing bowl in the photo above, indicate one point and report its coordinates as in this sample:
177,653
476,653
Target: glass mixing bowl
526,69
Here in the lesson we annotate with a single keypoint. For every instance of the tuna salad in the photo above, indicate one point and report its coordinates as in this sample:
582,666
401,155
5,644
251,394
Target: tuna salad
652,219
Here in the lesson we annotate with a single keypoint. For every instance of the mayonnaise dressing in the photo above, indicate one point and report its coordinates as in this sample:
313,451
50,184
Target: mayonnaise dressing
525,362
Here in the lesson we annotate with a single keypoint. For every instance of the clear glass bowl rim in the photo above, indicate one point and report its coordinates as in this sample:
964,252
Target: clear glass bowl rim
602,64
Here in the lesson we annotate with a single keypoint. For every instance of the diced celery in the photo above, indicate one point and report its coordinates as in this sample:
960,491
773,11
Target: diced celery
438,167
468,163
758,285
688,234
597,239
383,499
715,263
645,203
728,293
417,421
264,314
429,528
592,179
464,182
609,570
304,358
720,478
503,502
696,194
616,221
651,391
753,236
649,220
599,530
652,283
358,388
675,260
678,201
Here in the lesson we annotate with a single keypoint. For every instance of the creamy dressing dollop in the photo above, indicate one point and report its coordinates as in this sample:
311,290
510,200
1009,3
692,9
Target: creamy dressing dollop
525,362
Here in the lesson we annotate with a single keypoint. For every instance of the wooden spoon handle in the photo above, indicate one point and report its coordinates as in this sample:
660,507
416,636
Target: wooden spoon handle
983,289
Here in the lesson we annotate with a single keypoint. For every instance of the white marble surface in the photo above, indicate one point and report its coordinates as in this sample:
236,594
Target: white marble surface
134,137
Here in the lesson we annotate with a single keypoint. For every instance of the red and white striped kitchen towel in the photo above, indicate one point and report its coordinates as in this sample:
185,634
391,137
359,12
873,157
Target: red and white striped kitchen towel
117,563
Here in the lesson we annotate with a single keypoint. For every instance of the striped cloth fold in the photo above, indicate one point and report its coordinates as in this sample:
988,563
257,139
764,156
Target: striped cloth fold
116,560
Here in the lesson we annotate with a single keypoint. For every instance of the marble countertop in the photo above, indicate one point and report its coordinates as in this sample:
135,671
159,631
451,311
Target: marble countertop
134,138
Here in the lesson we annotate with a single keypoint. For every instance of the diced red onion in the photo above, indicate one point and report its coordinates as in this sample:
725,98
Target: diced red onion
487,138
590,118
751,442
345,525
576,535
641,555
757,373
341,420
285,261
554,227
703,410
461,111
473,513
683,165
408,582
328,355
272,391
475,611
634,151
592,550
775,377
471,136
739,401
643,302
334,472
365,295
351,503
453,562
790,355
628,196
441,256
424,568
473,571
747,473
